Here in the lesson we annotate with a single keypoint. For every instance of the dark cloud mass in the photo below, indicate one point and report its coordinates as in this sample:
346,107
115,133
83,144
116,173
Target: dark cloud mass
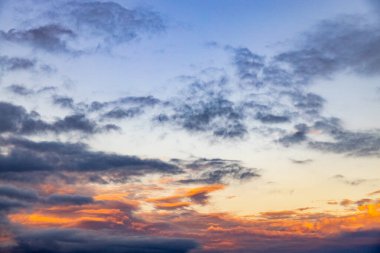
28,156
81,241
15,119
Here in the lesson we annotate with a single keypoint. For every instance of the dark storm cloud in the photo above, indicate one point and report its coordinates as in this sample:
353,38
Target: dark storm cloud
214,171
16,63
84,241
51,37
26,156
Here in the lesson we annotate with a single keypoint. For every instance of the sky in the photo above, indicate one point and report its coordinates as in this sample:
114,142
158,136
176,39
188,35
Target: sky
200,126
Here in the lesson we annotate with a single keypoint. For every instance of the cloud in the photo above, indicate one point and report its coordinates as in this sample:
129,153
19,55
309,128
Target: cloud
56,199
216,171
206,109
16,63
355,182
76,122
81,27
297,137
249,65
17,193
320,54
272,119
110,21
15,119
118,113
305,161
50,37
186,197
20,90
346,142
56,157
75,240
64,102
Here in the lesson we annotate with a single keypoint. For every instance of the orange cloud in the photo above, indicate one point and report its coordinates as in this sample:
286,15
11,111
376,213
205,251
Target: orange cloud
198,195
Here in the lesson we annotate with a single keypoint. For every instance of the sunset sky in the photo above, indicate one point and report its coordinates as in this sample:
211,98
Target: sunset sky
202,126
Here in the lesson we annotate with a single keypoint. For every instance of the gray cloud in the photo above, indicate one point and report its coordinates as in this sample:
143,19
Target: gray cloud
26,156
17,193
20,90
298,136
16,63
321,54
207,109
248,66
119,113
63,101
111,21
270,118
58,199
85,241
212,171
51,37
15,119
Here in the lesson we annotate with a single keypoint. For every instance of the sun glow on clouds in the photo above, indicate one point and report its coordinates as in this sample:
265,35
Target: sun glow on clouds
168,129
